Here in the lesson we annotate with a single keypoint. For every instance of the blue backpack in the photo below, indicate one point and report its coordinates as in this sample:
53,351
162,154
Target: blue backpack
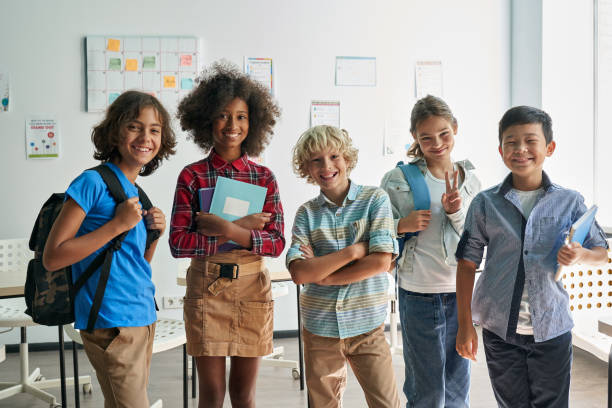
420,195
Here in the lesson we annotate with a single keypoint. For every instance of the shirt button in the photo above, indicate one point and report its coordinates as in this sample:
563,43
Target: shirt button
526,252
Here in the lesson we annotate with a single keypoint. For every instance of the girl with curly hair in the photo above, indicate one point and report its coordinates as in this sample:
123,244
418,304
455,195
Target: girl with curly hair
228,303
133,139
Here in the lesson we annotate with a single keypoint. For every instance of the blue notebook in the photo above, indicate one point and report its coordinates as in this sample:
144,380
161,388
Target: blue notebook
234,204
579,230
582,226
235,199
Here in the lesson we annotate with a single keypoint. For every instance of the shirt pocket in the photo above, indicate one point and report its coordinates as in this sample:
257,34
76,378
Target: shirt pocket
552,231
359,231
401,197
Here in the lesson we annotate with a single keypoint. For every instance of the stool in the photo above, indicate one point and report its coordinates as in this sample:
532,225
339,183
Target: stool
11,315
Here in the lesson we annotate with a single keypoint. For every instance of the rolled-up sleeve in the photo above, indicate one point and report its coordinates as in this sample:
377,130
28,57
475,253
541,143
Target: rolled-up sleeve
474,238
382,228
299,236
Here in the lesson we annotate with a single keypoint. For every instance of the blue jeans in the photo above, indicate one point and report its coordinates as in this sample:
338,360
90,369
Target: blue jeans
436,376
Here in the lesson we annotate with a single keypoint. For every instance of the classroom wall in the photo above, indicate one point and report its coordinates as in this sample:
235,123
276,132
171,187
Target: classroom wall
41,44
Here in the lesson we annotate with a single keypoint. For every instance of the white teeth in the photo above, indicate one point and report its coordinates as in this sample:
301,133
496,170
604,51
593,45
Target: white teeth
143,149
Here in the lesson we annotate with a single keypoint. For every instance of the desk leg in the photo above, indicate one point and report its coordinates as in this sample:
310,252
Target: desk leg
185,388
75,370
60,329
300,345
194,377
610,378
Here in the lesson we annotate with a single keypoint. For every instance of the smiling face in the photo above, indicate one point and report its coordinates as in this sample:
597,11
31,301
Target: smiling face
523,149
328,168
230,129
140,141
436,137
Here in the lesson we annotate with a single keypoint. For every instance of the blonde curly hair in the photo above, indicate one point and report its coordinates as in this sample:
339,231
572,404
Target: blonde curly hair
318,139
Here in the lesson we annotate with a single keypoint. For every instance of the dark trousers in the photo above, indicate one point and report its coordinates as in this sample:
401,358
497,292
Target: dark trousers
528,374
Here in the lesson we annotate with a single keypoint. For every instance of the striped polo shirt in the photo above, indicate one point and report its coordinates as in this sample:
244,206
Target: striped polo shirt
365,216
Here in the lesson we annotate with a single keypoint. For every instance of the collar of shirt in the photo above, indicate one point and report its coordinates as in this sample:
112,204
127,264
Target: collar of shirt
219,162
506,189
352,194
507,186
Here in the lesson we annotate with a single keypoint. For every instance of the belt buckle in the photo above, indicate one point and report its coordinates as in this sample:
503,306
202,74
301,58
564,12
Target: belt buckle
229,270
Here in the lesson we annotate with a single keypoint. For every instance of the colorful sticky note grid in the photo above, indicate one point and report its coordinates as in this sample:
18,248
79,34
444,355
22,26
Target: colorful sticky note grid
113,45
112,96
131,64
186,60
169,81
114,64
186,83
148,62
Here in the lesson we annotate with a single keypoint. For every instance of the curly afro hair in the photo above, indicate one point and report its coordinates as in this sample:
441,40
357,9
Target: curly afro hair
218,85
107,134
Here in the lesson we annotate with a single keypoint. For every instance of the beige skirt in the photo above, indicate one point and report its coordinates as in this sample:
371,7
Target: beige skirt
238,320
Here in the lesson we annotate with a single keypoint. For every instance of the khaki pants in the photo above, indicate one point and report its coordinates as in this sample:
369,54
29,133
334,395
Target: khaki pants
369,357
121,357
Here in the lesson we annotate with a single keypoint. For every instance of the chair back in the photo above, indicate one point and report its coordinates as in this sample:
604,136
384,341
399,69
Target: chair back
14,257
590,297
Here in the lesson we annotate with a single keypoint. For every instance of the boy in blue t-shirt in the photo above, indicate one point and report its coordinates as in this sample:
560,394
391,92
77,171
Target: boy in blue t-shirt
523,311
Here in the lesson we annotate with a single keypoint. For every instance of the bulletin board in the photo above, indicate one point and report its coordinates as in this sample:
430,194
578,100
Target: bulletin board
165,67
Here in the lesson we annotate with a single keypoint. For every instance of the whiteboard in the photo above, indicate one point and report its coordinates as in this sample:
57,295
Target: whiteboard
165,67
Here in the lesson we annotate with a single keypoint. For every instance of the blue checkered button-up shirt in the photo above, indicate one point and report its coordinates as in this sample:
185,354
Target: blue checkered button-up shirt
494,220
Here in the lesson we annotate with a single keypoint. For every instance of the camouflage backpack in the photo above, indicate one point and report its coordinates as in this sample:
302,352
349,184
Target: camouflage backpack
49,295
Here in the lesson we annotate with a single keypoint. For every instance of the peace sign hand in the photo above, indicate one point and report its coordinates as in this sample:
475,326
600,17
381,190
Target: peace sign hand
451,200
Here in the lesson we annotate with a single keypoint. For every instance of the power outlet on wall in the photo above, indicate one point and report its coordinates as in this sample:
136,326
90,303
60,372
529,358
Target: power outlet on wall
173,302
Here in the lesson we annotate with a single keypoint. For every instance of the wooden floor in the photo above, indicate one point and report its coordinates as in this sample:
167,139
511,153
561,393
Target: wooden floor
276,388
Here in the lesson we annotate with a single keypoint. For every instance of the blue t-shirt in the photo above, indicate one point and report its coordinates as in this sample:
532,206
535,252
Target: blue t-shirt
129,296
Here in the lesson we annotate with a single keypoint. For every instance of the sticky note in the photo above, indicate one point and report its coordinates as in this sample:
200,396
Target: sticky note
113,45
169,81
186,60
112,96
131,65
148,62
186,83
114,64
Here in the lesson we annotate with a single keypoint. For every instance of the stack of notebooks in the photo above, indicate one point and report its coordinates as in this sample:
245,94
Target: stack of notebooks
232,199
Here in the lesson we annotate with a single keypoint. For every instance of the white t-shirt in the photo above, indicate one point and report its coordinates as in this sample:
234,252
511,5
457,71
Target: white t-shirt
430,274
528,200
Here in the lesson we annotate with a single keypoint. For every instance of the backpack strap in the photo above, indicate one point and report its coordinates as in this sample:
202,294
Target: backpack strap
152,235
112,182
117,192
416,181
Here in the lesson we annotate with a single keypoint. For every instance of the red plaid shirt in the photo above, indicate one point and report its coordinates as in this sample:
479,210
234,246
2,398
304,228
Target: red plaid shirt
186,242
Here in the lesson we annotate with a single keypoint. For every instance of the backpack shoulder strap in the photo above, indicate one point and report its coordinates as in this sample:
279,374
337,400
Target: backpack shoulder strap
420,192
144,199
112,182
152,235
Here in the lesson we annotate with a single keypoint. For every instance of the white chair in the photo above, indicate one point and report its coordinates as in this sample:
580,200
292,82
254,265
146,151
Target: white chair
169,333
14,257
275,359
590,293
